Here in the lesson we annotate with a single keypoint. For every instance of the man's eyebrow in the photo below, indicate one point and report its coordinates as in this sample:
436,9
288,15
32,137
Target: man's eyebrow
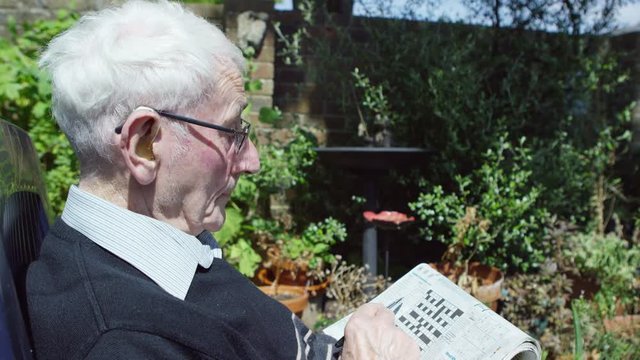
240,106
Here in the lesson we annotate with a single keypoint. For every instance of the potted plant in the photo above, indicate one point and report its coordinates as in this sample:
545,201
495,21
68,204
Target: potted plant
482,281
253,234
493,216
294,265
615,263
351,286
295,298
300,260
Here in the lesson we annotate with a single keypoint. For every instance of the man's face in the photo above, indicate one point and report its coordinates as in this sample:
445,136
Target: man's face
193,188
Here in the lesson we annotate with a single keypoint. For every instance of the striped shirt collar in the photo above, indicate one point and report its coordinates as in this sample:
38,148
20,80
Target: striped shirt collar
166,255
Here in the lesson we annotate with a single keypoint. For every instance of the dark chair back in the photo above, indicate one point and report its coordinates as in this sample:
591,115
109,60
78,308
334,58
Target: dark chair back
23,223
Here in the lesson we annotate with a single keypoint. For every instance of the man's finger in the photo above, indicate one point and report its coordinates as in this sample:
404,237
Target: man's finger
370,309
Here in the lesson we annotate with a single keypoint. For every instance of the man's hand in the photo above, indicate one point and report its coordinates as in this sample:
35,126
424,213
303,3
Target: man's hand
371,334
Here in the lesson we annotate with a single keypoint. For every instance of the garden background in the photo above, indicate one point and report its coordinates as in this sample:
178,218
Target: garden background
532,124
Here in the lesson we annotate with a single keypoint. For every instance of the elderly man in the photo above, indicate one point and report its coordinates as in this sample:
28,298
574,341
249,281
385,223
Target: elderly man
150,97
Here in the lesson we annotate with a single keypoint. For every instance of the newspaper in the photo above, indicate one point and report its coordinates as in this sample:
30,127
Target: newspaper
448,323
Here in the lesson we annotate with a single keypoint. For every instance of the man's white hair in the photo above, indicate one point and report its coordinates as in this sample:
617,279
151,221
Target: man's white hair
142,53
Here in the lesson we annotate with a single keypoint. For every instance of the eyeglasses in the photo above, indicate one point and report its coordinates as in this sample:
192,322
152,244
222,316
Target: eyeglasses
238,135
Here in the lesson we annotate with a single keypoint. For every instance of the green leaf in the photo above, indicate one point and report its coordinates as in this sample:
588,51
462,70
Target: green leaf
39,109
270,115
319,248
231,227
242,255
253,85
577,327
12,90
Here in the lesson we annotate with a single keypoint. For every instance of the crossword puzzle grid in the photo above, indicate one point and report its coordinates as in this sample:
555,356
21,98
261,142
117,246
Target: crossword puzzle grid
431,318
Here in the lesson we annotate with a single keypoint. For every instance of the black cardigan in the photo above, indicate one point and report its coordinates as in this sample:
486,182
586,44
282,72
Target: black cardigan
85,302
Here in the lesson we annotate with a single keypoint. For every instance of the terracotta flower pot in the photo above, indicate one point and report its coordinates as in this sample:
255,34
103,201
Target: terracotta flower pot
490,280
623,323
265,276
295,298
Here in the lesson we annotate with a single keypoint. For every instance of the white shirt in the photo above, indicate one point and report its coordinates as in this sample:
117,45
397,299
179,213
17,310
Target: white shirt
166,255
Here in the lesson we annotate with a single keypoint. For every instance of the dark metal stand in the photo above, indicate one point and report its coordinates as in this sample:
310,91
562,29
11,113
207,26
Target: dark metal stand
370,234
386,256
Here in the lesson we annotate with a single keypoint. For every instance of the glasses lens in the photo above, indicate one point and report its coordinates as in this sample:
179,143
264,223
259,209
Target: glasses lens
240,136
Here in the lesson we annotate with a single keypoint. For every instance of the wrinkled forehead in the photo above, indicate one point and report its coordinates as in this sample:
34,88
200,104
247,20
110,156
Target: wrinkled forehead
230,88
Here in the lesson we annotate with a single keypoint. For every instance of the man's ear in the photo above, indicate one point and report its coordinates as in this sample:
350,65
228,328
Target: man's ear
138,136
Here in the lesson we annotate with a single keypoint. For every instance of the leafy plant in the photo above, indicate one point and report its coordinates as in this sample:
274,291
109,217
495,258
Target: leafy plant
284,166
291,51
594,341
459,87
611,260
578,352
377,118
243,256
311,249
25,100
494,215
298,257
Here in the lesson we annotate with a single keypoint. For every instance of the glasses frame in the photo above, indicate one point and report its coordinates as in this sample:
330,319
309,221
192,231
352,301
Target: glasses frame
239,136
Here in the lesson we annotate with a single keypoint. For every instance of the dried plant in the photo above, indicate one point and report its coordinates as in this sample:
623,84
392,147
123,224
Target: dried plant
538,304
351,286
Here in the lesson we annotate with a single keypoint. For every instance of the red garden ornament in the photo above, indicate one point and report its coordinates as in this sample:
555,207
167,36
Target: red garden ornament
388,219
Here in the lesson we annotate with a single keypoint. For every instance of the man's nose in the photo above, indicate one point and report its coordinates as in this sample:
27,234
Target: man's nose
248,161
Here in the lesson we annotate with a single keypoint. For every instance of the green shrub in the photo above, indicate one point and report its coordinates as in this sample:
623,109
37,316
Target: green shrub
611,260
315,242
25,100
283,166
507,224
455,88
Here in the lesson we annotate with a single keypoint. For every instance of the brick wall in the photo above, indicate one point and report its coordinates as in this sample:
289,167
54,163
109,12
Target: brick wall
298,91
302,101
263,68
